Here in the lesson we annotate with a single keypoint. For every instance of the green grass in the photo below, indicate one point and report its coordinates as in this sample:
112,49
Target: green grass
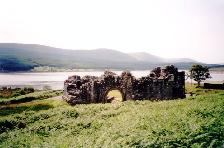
38,95
193,122
192,88
9,93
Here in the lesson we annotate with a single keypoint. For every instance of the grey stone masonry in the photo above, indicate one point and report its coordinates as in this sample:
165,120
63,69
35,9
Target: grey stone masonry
160,84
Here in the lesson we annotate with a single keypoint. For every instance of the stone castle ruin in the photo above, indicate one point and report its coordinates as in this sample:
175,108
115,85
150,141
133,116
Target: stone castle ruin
160,84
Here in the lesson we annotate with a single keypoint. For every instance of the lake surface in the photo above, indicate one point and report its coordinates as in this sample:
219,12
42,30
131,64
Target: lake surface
55,80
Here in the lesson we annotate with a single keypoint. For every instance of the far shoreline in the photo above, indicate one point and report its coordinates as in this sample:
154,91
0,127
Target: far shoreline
96,70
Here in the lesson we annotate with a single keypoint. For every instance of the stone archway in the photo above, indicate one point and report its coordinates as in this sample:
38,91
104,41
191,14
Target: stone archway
114,95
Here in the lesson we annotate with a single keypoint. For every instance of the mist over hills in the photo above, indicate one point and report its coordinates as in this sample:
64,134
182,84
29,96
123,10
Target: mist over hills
24,57
146,57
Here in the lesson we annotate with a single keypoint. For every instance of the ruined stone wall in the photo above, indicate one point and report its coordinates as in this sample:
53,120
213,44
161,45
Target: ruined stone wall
160,84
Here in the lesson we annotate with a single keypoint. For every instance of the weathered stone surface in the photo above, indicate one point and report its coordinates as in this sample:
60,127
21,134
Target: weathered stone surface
166,83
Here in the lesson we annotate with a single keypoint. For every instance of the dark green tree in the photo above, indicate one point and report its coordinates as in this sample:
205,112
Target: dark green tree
199,73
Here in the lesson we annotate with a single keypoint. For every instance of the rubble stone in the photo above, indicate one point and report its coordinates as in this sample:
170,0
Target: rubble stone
160,84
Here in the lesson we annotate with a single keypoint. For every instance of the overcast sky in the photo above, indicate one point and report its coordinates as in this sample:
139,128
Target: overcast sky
167,28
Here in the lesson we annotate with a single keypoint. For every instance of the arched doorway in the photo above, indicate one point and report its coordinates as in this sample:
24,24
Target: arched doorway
114,95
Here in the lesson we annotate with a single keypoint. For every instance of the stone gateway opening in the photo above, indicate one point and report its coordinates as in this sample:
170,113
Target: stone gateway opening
114,95
160,84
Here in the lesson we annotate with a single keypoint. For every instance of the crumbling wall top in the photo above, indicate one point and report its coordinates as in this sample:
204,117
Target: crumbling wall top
161,83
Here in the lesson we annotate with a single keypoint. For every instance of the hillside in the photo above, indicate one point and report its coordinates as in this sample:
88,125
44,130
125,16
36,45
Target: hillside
146,57
193,122
24,57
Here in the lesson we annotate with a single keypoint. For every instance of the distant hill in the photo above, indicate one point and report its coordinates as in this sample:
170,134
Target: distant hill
177,60
24,57
146,57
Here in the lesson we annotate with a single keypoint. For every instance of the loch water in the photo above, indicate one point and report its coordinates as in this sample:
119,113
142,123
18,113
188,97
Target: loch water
55,80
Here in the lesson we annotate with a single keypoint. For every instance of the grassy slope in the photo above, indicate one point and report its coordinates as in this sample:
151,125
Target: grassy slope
196,121
38,95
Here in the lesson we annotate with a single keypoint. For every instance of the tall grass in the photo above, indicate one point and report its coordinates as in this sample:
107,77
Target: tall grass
39,95
193,122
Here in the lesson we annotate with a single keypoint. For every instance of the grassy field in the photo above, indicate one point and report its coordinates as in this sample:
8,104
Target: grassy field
197,121
37,95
